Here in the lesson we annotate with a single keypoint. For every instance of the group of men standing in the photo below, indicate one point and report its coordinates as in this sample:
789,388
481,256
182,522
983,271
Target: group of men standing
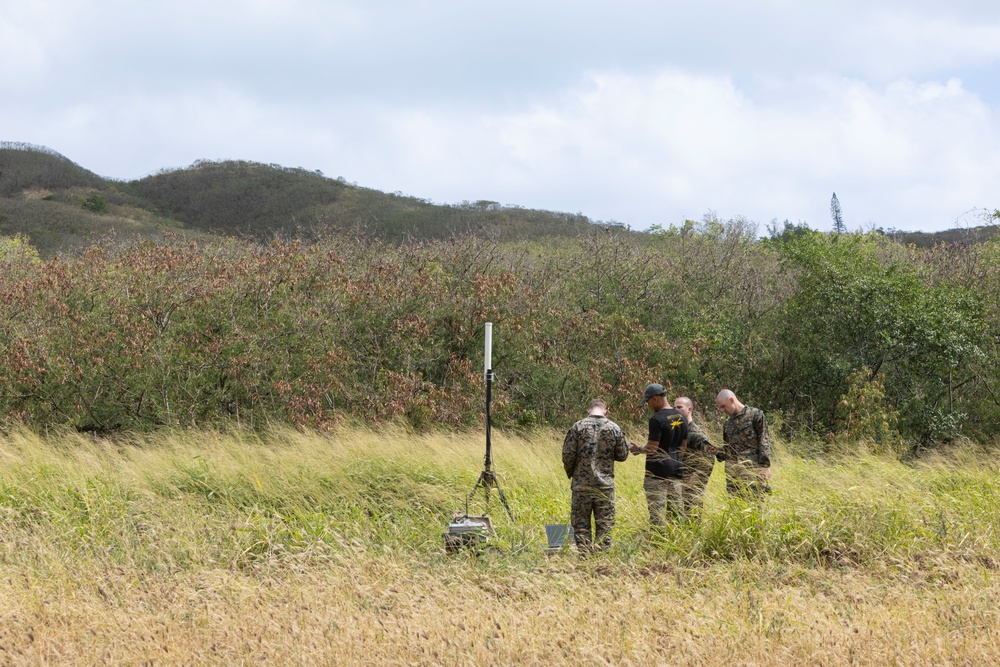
679,461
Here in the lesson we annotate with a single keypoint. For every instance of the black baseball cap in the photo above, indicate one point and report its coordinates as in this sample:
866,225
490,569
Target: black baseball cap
651,391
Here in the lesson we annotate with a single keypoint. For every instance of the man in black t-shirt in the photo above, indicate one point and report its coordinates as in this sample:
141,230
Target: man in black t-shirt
664,450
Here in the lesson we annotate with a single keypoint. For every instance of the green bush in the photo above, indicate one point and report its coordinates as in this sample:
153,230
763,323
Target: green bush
95,204
847,334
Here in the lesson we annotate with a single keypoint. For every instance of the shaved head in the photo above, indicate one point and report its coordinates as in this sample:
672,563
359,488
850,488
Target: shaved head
597,407
685,406
727,402
725,395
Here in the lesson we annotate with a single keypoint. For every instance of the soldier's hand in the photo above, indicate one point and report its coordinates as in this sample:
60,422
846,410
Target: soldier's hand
712,449
765,473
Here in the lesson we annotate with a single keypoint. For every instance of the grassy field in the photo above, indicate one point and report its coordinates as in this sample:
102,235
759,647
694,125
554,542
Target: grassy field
289,548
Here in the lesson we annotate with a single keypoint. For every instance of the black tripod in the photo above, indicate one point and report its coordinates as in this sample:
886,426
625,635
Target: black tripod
488,478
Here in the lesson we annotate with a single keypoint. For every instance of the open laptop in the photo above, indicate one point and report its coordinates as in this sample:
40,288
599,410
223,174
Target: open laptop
559,536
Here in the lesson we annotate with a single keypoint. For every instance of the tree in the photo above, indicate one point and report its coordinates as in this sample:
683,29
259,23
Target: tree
863,303
95,204
837,215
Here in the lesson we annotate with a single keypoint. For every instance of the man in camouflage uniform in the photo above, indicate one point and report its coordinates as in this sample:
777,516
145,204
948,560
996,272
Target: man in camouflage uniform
699,459
589,452
748,447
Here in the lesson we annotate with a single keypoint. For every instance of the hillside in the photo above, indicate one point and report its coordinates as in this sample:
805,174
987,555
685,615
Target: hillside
949,236
248,198
24,167
238,197
61,206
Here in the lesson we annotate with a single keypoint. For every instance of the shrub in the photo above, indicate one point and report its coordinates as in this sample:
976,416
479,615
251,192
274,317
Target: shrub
95,204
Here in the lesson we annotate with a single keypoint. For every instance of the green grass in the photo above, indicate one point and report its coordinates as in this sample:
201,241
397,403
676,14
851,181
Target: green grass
250,495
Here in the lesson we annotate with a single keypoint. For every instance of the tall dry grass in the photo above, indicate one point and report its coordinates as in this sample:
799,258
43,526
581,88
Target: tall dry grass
290,548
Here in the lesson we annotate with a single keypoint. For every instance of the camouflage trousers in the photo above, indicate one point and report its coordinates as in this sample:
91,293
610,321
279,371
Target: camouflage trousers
663,497
743,481
590,501
694,492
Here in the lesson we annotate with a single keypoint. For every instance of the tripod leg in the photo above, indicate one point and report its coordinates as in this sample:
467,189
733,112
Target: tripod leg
479,482
492,481
488,480
503,500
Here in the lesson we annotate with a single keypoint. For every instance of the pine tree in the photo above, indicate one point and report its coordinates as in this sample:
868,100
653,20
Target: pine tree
838,218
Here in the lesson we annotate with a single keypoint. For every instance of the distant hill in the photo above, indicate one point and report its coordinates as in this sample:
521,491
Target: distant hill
27,167
61,206
236,197
962,235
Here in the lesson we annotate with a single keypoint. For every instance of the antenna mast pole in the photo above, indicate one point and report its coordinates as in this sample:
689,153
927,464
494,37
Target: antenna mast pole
488,375
487,478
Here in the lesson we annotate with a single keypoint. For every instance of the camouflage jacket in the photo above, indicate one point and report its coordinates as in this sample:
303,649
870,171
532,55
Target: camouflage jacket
746,438
698,459
590,450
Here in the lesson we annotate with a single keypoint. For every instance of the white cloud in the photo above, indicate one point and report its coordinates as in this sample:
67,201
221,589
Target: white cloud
647,112
659,148
898,42
28,36
639,149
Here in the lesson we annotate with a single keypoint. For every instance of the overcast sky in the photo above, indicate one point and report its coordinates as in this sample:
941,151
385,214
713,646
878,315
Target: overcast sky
643,112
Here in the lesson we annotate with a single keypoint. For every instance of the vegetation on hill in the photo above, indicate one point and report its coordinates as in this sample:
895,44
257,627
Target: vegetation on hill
239,197
964,236
265,201
62,207
63,224
28,167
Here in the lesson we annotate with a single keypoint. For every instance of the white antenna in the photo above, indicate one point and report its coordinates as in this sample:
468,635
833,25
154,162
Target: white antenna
488,354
